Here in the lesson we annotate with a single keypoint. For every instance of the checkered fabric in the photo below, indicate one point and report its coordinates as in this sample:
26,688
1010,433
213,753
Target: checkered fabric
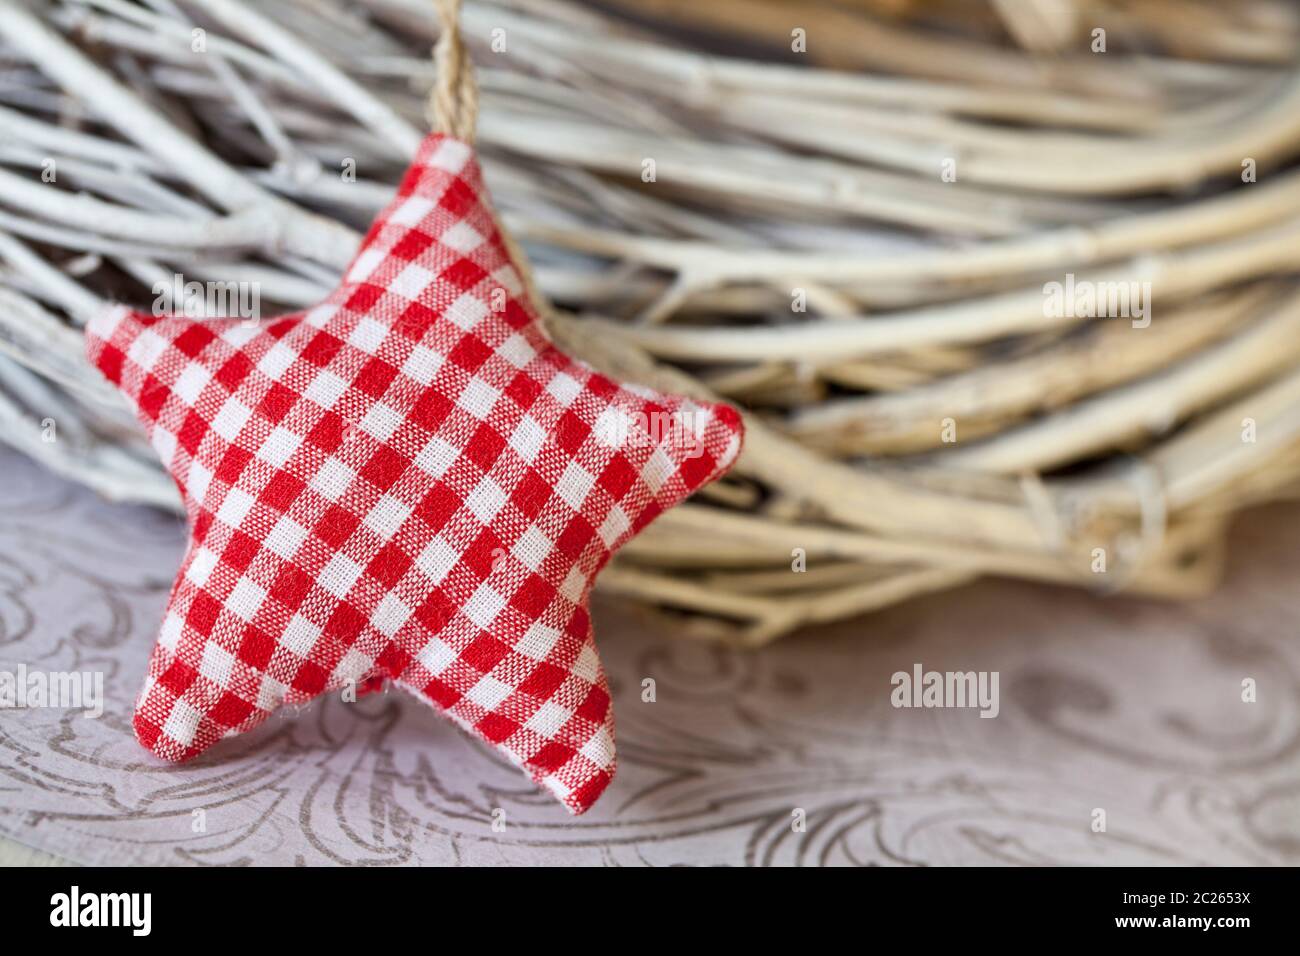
407,482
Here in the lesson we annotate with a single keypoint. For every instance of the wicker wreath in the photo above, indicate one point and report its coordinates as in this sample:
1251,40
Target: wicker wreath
1000,292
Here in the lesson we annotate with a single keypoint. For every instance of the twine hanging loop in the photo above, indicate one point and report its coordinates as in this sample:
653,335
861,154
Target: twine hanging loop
453,101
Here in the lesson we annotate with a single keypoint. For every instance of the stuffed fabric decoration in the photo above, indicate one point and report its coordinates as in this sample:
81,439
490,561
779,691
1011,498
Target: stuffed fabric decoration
408,483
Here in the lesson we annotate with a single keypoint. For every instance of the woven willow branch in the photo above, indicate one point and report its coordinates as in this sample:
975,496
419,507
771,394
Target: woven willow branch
916,417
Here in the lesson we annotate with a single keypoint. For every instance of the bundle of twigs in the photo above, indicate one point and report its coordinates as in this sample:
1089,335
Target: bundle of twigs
850,229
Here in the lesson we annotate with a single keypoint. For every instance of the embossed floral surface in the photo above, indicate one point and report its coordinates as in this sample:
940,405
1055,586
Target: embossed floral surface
1132,707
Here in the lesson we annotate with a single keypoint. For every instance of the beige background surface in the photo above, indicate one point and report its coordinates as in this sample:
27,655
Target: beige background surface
1130,706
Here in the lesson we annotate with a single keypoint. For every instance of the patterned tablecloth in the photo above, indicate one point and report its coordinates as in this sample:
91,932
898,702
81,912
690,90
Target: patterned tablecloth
1130,707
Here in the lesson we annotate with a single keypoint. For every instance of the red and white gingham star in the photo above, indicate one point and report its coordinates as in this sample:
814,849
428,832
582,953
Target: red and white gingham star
407,482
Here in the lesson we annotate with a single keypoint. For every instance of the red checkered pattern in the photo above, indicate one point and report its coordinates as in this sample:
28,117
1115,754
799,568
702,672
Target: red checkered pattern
407,482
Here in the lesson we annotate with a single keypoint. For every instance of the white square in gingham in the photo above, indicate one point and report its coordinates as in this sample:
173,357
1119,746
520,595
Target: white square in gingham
373,493
285,538
276,361
467,311
437,560
574,485
517,350
182,723
450,155
270,694
390,615
245,599
489,692
320,316
387,516
532,548
326,389
538,641
478,398
300,636
612,428
574,585
484,605
189,385
462,237
507,278
368,335
201,566
235,507
333,479
412,281
170,634
616,525
146,349
217,664
380,422
353,666
279,446
422,364
436,657
436,457
548,720
565,389
527,440
164,444
365,265
199,479
411,211
230,420
339,575
486,500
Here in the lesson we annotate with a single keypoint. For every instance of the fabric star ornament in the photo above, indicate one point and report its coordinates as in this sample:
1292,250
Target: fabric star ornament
408,483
